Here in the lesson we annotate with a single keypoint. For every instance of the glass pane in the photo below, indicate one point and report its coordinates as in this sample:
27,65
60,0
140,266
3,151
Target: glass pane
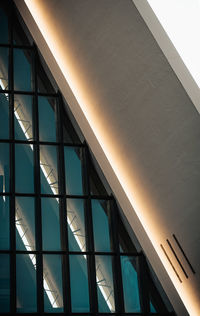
76,225
48,169
24,172
4,283
23,117
100,225
4,167
47,120
4,223
73,170
43,83
130,284
26,283
50,223
52,282
25,223
4,67
4,117
79,284
104,278
22,70
3,27
152,308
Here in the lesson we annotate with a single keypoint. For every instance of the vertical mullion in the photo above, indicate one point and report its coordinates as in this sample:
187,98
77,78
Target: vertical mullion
12,168
63,208
116,263
38,215
143,284
89,234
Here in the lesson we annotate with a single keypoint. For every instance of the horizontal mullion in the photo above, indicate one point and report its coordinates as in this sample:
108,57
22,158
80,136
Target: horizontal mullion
33,93
75,253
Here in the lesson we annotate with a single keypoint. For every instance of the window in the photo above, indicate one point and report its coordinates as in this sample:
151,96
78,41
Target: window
63,247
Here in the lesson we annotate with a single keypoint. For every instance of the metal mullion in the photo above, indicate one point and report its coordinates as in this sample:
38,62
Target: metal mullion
143,284
62,208
12,172
89,235
116,262
38,213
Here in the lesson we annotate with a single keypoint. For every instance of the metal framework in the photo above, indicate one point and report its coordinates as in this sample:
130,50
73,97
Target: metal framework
110,287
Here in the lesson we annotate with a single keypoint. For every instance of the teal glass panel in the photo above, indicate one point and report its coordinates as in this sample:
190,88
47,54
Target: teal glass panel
24,173
73,170
48,169
47,121
4,223
4,283
130,284
104,279
4,68
50,224
4,167
25,223
152,308
100,225
26,283
79,284
76,225
22,70
52,283
23,117
4,117
3,27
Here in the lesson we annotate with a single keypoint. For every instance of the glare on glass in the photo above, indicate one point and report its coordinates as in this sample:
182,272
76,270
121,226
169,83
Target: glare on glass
25,223
4,68
23,117
52,283
76,225
48,169
104,279
26,283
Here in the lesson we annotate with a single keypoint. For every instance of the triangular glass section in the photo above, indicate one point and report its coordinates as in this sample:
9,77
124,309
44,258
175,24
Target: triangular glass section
63,245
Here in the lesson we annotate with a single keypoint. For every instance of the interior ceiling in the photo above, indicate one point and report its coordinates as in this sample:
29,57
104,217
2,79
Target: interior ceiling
144,121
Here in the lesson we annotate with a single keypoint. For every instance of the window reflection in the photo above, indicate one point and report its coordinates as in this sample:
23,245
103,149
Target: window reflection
25,223
52,282
104,279
76,225
48,169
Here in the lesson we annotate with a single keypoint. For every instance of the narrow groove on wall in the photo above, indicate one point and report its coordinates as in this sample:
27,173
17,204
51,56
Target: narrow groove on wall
186,258
163,249
172,249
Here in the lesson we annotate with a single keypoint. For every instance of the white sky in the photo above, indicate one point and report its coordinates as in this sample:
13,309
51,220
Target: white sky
181,21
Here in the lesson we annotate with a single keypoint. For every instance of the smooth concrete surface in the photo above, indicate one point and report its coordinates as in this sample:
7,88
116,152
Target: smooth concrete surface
138,120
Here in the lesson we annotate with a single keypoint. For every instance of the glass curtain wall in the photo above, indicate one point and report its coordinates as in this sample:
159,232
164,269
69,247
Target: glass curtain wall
63,246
